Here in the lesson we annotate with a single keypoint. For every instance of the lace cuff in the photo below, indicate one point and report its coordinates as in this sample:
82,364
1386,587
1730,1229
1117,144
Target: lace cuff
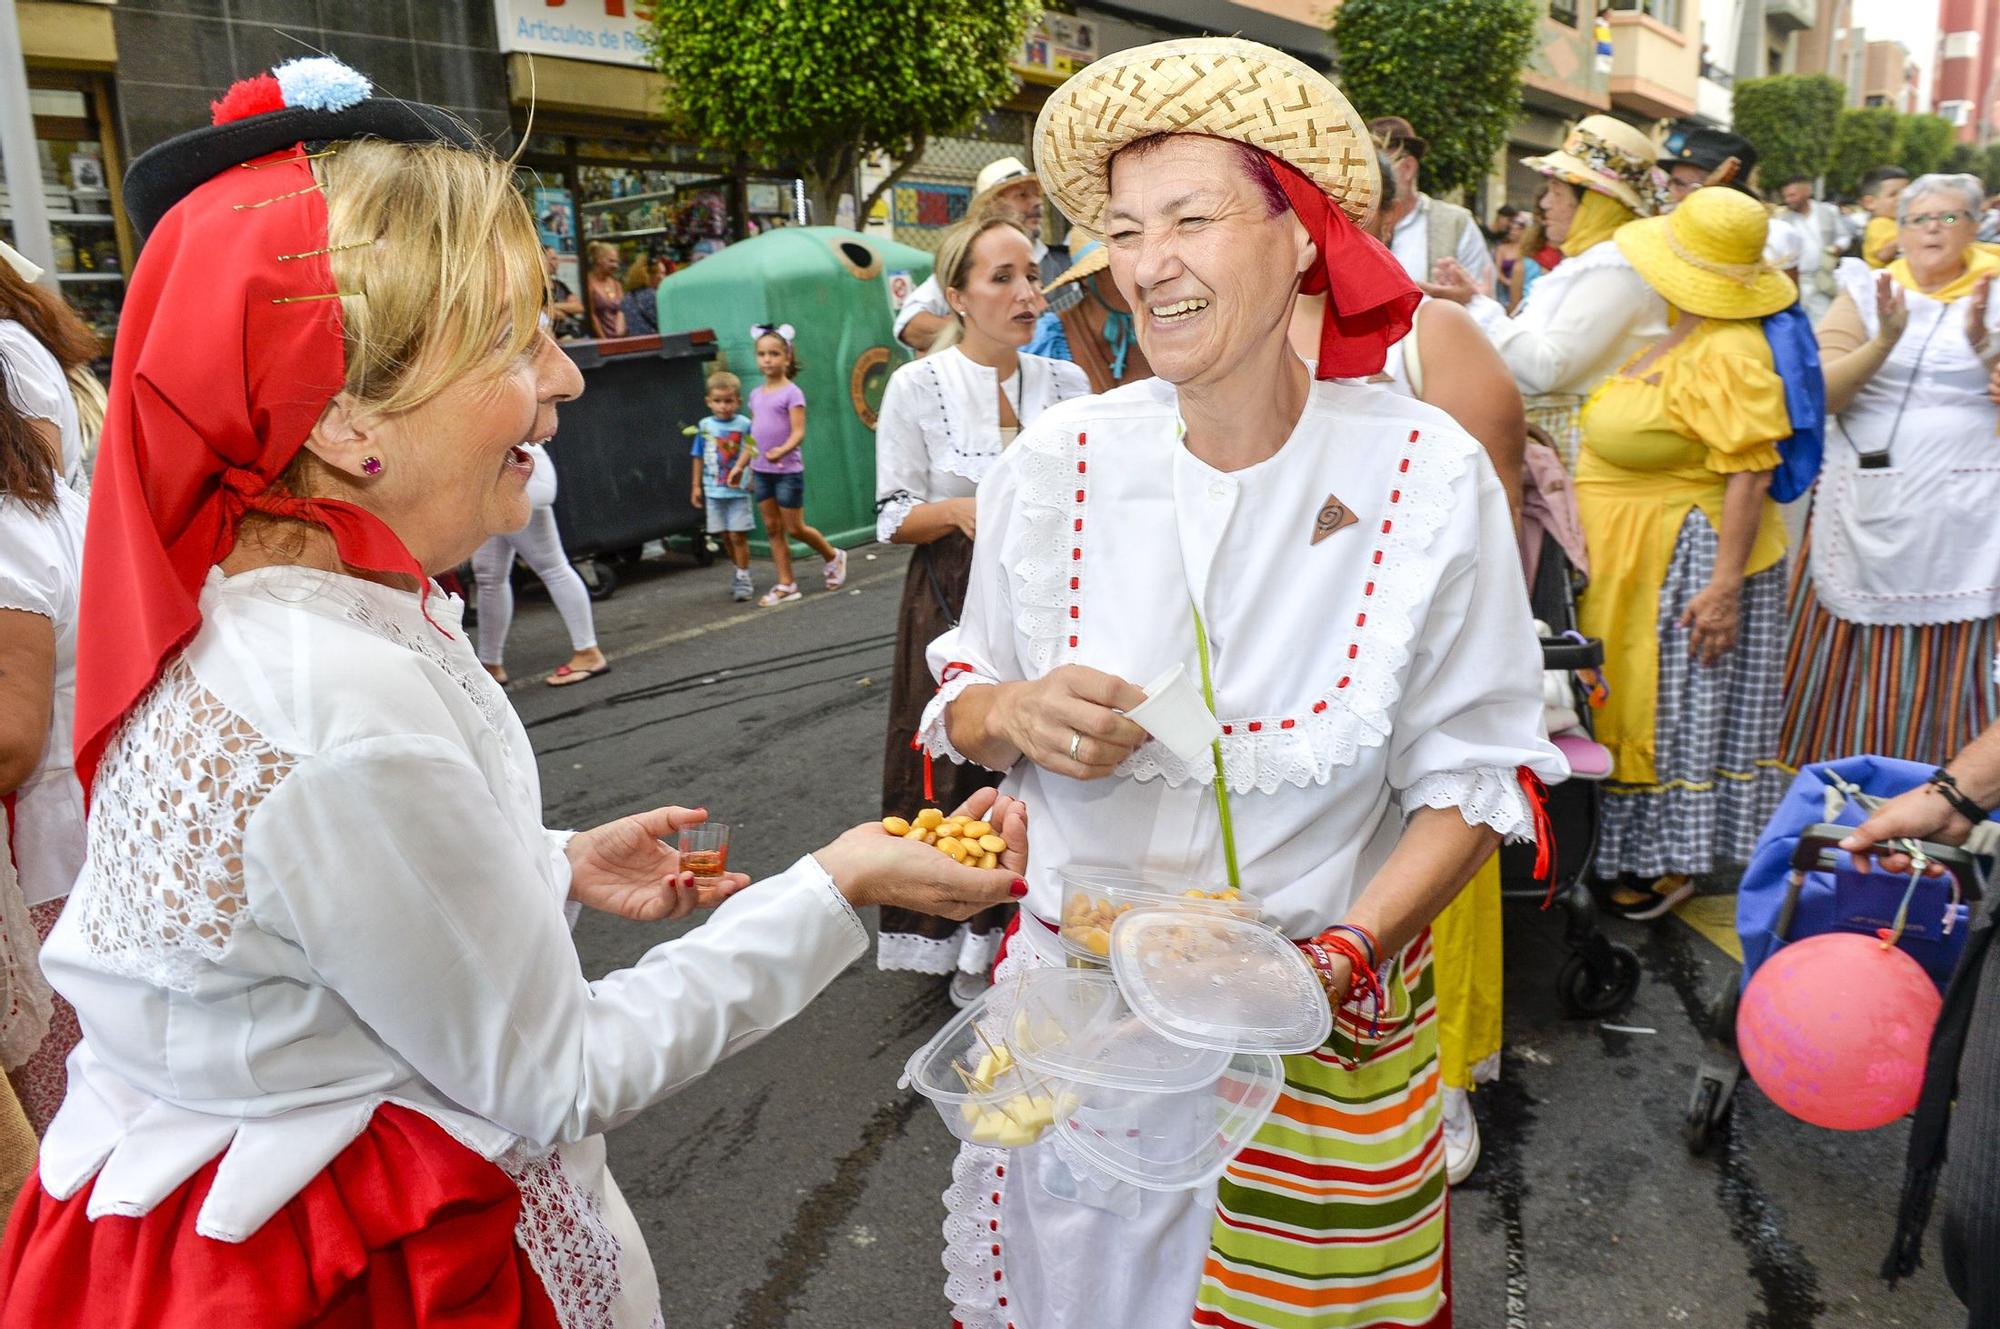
931,733
891,513
1488,796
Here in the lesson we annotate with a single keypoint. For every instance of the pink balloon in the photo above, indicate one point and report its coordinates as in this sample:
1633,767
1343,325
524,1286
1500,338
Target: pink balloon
1835,1029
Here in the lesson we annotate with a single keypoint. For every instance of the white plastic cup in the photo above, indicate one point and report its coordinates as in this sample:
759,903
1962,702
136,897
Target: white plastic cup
1175,714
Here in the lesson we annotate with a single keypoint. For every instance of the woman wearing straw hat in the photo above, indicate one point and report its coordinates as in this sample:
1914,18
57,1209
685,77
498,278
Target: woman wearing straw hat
1687,556
1593,312
1094,331
1337,563
945,420
1895,618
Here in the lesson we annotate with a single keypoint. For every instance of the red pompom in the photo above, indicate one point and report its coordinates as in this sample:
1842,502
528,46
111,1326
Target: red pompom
248,97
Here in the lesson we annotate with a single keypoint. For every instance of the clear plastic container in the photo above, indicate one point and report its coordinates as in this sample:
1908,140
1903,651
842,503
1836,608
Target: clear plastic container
968,1069
1219,982
1073,1024
1173,1141
1095,898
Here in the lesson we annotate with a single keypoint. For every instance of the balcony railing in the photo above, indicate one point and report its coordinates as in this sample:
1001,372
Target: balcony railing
1715,73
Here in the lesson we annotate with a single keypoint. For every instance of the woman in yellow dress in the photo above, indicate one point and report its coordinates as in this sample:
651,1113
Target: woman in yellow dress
1687,557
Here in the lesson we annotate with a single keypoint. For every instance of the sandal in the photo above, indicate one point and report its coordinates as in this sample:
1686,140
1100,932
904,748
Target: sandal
1653,902
566,677
836,570
782,593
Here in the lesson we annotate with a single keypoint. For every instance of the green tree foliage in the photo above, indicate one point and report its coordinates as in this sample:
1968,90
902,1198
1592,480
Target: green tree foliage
1988,168
1790,118
1452,68
1923,143
820,85
1965,160
1864,138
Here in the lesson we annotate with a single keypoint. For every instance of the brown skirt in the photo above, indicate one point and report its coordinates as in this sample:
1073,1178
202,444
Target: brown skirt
933,595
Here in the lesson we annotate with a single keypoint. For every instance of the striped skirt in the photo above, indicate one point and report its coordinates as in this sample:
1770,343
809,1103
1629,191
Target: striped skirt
1334,1217
1715,732
1920,692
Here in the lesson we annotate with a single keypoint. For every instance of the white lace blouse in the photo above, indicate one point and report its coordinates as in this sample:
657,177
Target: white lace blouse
1391,666
1578,324
318,882
939,429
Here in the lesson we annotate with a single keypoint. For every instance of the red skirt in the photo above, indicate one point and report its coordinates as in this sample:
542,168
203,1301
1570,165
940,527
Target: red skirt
404,1229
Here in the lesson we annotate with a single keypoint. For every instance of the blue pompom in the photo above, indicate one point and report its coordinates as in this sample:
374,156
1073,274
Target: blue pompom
321,83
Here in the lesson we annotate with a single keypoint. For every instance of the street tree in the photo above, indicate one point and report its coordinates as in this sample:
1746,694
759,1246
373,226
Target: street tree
819,88
1790,119
1452,68
1923,143
1865,137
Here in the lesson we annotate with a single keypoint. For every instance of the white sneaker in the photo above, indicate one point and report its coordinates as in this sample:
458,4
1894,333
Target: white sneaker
1461,1136
966,988
740,587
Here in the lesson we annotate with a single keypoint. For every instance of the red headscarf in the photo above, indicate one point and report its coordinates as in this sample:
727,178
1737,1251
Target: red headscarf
1370,300
223,365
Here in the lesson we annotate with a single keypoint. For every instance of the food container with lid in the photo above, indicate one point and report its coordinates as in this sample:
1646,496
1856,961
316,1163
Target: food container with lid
969,1070
1219,982
1094,898
1172,1141
1141,1108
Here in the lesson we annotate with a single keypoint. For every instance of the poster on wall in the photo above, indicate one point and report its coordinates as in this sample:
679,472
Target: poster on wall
930,205
555,218
610,32
1056,46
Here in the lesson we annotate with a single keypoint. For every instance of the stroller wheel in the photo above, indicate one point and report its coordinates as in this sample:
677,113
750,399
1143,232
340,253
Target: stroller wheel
1704,1114
1592,986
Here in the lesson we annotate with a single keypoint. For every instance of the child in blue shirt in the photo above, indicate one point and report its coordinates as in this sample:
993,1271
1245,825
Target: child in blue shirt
722,445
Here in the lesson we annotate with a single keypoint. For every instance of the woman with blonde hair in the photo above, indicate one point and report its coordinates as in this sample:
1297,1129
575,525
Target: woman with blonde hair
340,1065
605,305
945,420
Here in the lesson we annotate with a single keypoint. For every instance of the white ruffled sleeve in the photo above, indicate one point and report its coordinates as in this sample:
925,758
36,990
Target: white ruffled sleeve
902,458
1471,712
981,648
445,944
31,561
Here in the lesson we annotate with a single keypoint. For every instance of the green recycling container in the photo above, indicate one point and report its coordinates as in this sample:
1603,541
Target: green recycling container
833,286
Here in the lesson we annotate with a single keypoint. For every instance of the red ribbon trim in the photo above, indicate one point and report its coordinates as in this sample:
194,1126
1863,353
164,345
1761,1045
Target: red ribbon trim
1545,831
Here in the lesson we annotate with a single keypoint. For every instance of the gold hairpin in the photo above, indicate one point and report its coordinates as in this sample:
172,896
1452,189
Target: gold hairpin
301,299
280,198
303,157
330,249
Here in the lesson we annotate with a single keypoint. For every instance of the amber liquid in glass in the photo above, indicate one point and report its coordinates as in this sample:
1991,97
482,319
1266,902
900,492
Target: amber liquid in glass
706,864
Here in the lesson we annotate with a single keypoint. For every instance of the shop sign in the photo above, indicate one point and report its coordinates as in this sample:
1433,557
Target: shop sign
611,32
1057,45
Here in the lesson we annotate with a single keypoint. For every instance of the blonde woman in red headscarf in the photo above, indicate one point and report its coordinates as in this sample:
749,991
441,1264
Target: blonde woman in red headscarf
1332,566
339,1063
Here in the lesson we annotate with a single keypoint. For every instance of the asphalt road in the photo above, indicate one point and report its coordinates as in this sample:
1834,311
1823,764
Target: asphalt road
797,1186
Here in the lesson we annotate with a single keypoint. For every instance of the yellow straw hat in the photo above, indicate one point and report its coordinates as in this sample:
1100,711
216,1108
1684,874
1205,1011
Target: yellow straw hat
1604,154
1091,257
1707,256
1223,87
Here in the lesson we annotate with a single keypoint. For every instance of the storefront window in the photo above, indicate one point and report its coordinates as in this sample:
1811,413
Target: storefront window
79,162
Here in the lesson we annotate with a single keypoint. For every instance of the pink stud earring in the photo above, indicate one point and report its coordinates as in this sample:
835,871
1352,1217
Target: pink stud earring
371,466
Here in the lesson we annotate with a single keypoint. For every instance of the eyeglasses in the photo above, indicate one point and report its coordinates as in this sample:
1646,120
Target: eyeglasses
1923,219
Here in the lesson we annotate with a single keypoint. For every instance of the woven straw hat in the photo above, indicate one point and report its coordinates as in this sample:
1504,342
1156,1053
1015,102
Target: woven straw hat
1091,257
1604,154
1707,256
1224,87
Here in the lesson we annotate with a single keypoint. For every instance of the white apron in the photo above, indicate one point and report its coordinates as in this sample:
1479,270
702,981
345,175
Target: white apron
1903,529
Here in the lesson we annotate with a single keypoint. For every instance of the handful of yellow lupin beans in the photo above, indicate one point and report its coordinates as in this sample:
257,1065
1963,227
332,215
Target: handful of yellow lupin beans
967,840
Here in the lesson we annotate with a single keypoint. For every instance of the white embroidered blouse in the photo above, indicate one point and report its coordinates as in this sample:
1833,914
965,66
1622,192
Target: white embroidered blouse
939,429
1578,324
1391,666
318,882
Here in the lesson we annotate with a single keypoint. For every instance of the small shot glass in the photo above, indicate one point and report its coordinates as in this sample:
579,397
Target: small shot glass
704,851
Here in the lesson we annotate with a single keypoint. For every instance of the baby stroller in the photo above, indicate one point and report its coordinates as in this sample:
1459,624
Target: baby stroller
1598,976
1799,884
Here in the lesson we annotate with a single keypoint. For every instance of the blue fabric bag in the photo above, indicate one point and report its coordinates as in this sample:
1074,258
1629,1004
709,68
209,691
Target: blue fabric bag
1845,899
1795,356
